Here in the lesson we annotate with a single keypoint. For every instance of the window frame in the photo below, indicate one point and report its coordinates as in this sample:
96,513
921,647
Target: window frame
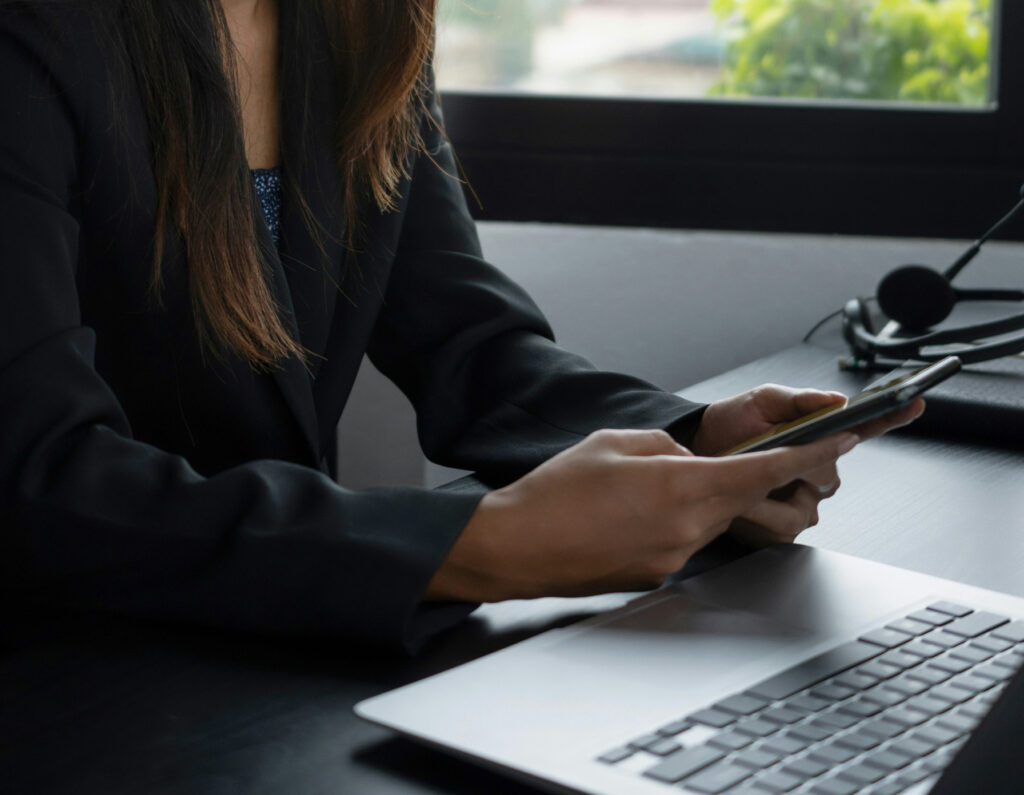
826,166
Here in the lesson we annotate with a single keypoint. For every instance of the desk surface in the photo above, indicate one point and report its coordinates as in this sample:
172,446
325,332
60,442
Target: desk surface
132,708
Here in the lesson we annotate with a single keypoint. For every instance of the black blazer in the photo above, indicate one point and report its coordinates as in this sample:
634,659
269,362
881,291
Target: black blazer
139,476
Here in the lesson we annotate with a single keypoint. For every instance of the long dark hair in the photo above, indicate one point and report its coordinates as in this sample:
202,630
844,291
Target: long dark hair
176,51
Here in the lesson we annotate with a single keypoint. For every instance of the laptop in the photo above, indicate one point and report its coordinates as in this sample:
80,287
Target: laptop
793,669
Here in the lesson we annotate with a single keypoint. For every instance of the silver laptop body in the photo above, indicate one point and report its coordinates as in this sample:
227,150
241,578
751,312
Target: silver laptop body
549,708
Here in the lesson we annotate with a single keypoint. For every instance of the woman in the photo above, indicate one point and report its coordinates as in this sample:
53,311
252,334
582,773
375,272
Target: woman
179,336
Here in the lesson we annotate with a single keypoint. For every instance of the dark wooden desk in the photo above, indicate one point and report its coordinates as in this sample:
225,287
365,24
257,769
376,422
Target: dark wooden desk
119,707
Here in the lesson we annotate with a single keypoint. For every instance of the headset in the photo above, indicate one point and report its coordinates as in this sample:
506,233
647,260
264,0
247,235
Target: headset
916,298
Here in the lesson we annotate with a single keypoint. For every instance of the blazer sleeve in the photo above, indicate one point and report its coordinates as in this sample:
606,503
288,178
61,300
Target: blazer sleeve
91,518
492,391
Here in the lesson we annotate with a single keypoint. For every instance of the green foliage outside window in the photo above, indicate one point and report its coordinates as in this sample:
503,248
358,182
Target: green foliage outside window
903,50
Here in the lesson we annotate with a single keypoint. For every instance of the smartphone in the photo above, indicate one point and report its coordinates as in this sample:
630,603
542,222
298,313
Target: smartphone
874,401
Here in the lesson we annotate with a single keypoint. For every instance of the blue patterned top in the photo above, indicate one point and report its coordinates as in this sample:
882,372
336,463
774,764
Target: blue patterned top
267,182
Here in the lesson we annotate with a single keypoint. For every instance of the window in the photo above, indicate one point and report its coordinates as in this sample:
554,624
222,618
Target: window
866,116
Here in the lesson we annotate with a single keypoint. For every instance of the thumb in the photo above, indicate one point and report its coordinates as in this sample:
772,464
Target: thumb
637,442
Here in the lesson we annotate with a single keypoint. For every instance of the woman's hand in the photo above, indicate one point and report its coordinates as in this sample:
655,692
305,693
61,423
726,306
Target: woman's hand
794,508
621,510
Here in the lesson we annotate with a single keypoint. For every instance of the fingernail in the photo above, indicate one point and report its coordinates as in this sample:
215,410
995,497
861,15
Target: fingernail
847,442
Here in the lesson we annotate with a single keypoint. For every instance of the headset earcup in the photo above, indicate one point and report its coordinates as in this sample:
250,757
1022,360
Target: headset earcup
916,297
858,330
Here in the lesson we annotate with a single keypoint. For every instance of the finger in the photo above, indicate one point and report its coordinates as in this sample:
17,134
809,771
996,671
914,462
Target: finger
807,401
637,442
825,478
892,420
784,521
781,403
770,469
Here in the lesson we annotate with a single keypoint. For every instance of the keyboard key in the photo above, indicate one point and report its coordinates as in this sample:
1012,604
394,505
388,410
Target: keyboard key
999,673
885,729
781,715
920,648
664,747
807,703
645,740
954,665
1008,660
975,709
616,755
855,681
900,660
684,763
775,781
713,717
1014,631
815,670
731,740
936,734
812,733
976,624
834,786
961,724
972,683
859,740
886,760
905,716
784,745
878,669
756,727
862,774
860,707
946,640
888,638
939,760
930,674
971,653
990,697
954,695
717,778
913,747
929,704
805,768
913,775
906,685
931,617
832,692
909,626
840,720
951,608
992,642
832,753
926,739
757,758
887,697
741,704
789,734
675,727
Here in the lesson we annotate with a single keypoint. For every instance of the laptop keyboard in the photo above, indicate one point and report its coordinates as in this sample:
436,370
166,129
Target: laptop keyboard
876,715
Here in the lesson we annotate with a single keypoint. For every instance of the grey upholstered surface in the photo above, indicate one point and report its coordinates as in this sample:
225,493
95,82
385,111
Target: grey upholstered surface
673,307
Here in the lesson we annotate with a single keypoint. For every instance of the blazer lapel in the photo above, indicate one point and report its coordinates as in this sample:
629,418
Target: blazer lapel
291,375
312,232
312,249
